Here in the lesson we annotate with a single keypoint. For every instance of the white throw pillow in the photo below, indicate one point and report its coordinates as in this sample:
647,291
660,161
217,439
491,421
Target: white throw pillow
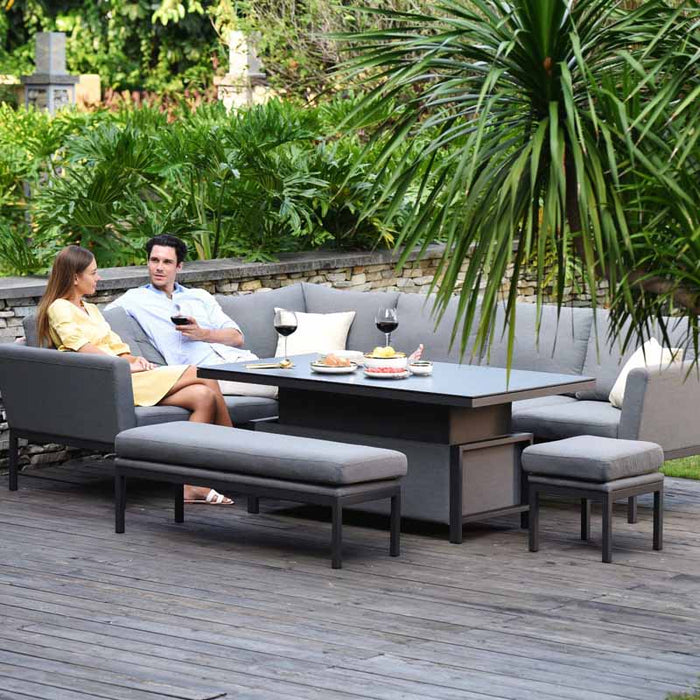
317,333
652,355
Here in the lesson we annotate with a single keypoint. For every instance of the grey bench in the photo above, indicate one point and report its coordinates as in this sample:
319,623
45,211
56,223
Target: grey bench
261,465
599,469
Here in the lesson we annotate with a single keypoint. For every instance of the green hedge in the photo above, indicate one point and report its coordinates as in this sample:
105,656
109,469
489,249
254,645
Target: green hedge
271,179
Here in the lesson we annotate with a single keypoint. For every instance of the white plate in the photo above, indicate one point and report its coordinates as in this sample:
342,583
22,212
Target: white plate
387,375
329,369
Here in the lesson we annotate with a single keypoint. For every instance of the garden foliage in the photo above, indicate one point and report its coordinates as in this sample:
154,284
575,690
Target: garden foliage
257,183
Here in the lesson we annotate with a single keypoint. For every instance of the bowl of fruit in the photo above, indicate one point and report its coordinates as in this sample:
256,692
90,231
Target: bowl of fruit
382,357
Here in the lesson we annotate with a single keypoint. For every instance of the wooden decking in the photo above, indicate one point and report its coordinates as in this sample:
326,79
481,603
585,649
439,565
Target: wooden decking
247,605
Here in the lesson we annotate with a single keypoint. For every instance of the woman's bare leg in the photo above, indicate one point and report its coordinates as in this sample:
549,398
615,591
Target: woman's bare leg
196,398
201,401
190,378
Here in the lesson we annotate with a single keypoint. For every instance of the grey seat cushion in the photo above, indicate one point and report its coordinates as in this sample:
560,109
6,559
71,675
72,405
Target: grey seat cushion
593,458
553,421
530,404
242,409
363,333
255,314
287,457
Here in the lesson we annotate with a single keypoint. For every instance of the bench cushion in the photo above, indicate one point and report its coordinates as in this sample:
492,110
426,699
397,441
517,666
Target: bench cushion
592,458
287,457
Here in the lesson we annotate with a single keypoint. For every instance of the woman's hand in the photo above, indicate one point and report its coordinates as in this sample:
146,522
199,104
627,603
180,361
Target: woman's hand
140,364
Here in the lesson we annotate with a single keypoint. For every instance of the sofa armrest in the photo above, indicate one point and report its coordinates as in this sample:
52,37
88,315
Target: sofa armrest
663,406
77,396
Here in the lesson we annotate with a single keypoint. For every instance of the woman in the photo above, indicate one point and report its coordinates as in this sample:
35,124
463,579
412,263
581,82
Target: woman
67,322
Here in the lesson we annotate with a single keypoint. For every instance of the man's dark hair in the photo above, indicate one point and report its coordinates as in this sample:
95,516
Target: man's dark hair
171,242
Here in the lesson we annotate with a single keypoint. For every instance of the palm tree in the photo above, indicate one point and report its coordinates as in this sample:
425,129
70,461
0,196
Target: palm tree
562,133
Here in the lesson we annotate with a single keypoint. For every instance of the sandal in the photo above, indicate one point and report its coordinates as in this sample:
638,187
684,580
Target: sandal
213,498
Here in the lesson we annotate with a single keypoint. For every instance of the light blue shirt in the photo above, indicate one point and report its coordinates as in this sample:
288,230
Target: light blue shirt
151,309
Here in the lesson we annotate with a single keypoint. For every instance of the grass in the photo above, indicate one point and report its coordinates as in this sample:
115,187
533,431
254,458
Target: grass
685,468
684,696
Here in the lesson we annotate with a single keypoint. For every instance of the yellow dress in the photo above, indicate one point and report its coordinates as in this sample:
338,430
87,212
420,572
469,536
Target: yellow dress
71,328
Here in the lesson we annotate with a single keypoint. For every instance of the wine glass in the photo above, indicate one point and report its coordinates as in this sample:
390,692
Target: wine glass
285,324
387,321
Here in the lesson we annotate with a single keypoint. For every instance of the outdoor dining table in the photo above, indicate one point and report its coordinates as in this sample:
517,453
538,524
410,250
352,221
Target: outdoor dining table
454,426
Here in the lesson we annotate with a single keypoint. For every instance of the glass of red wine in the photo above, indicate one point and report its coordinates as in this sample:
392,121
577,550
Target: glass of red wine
387,321
285,324
177,318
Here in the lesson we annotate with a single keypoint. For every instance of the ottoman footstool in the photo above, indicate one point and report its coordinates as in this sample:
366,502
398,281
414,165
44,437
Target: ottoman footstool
593,468
259,465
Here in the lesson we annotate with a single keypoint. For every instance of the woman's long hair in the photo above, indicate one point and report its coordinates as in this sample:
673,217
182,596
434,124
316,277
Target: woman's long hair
71,261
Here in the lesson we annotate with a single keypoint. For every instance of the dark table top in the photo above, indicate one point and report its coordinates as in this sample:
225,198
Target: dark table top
468,386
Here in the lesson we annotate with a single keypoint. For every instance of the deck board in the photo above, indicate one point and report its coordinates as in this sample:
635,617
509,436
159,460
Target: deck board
247,605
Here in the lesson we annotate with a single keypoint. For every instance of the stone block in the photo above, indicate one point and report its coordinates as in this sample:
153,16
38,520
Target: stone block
250,286
388,274
262,289
360,278
358,270
227,287
48,457
7,313
336,277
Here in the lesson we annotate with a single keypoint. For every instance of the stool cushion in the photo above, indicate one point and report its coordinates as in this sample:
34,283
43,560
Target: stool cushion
215,447
593,458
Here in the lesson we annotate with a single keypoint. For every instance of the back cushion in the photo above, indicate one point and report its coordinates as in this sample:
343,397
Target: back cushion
560,346
132,334
363,333
255,314
417,325
29,325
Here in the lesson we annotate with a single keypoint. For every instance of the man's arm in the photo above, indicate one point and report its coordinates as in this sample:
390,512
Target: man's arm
226,336
221,328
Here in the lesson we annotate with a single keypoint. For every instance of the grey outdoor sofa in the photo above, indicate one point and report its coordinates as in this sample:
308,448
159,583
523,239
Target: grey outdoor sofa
41,388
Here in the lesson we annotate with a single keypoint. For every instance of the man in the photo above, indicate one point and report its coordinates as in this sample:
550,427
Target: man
209,338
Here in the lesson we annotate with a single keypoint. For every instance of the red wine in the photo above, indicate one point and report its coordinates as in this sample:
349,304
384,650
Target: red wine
180,320
285,329
387,326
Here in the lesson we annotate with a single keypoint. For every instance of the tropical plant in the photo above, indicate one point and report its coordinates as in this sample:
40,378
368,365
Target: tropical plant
257,183
571,127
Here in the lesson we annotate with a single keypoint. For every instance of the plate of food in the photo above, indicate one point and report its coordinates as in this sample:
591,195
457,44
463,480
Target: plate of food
387,372
332,364
385,357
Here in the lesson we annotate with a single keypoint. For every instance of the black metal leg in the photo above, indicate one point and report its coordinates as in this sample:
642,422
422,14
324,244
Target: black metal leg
455,496
534,531
607,527
632,509
13,459
524,520
337,536
179,503
524,517
119,502
395,526
659,519
585,519
253,504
